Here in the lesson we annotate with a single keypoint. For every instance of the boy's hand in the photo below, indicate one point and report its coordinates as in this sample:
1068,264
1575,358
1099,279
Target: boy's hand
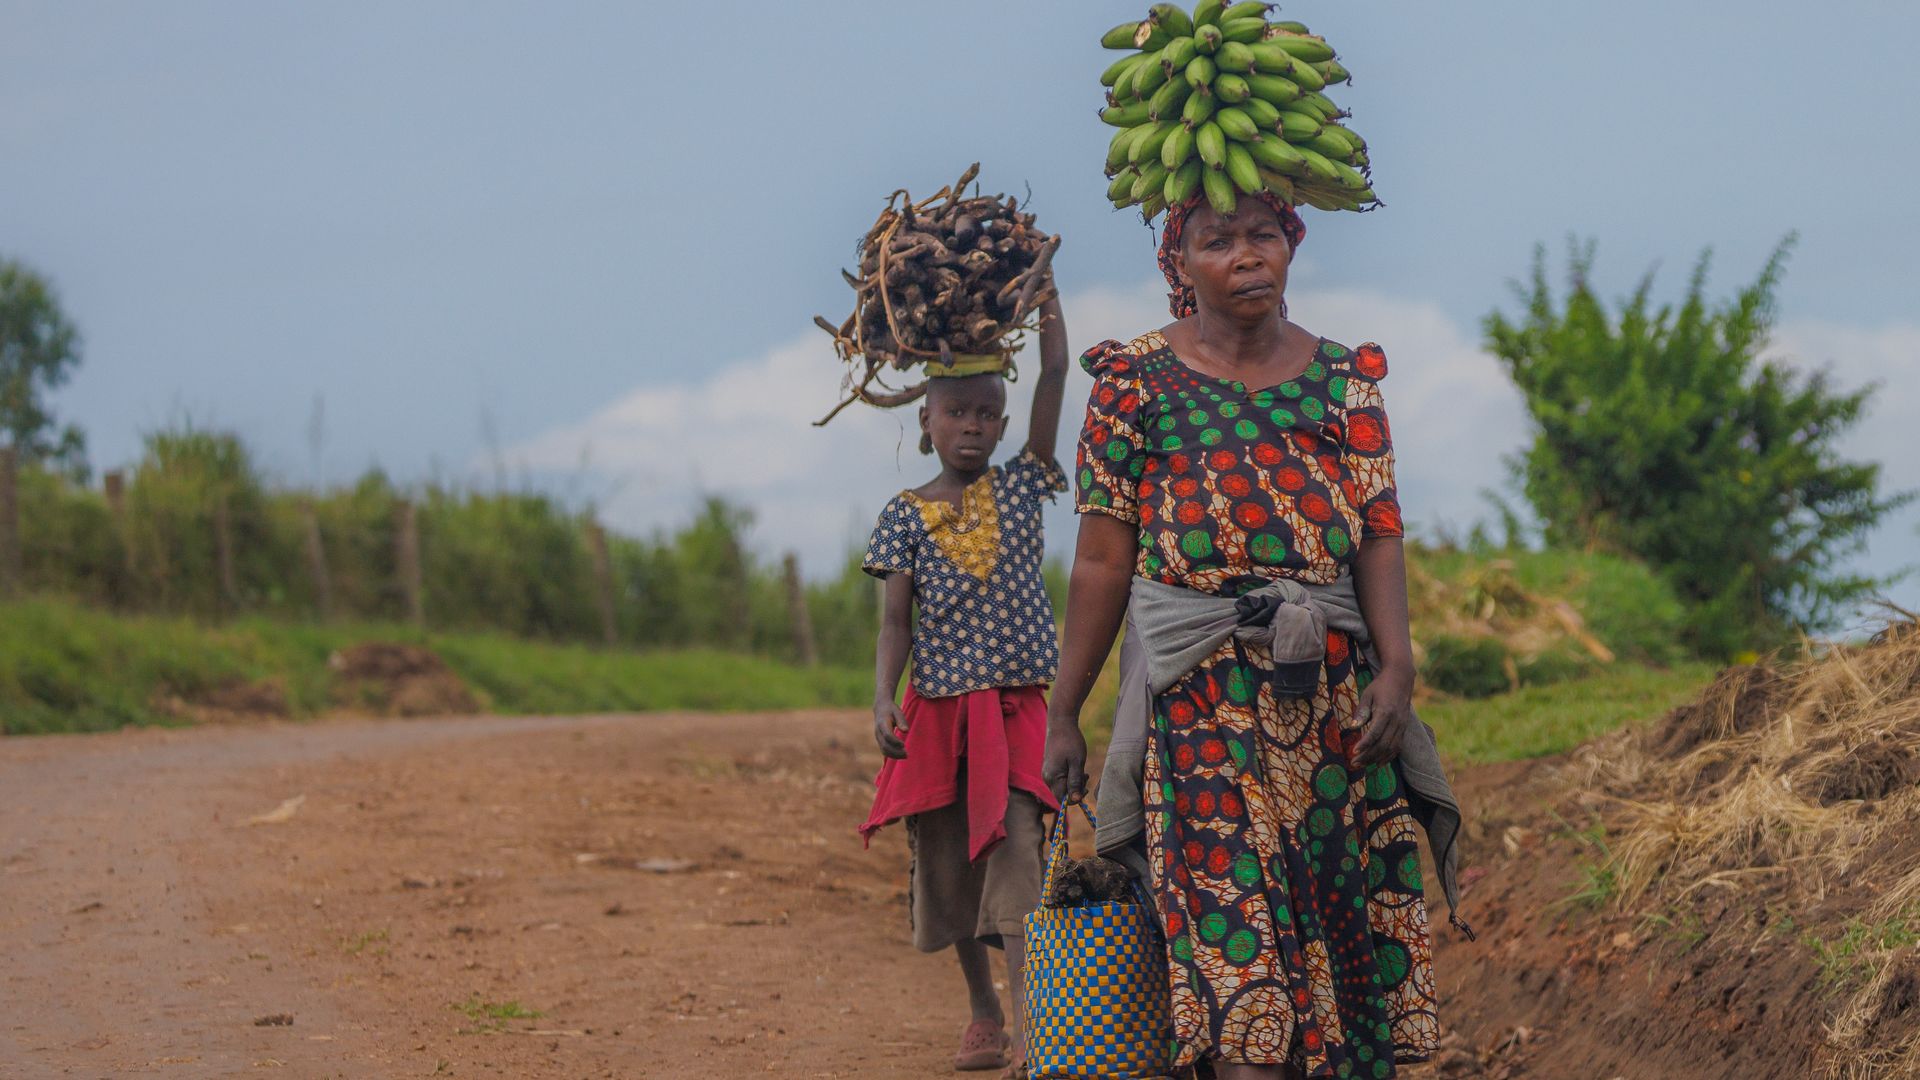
890,728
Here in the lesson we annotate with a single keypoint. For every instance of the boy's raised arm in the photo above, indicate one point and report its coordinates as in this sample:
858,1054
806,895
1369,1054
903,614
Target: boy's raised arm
1043,428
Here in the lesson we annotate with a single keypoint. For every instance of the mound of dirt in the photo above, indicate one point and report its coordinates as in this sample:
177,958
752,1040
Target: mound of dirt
392,679
232,702
1732,892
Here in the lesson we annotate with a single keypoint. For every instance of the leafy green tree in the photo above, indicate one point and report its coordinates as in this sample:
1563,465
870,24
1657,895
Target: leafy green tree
1659,432
39,349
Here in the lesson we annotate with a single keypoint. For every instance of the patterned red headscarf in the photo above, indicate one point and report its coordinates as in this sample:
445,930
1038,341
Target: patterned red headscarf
1180,300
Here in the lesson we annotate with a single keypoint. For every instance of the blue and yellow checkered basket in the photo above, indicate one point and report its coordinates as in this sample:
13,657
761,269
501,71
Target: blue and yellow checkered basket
1097,996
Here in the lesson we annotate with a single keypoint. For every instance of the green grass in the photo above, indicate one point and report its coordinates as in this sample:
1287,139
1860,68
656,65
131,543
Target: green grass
1543,720
1861,946
65,667
491,1016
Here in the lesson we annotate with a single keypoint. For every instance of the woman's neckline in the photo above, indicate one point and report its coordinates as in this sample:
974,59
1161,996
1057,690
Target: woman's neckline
1240,386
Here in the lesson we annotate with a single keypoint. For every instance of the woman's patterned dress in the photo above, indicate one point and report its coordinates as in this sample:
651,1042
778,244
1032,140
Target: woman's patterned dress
1289,882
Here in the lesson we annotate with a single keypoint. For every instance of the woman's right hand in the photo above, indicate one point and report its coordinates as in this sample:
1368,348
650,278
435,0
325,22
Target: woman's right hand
890,728
1065,766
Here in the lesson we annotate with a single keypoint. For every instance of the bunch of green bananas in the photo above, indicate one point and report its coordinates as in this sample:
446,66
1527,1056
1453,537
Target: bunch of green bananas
1225,102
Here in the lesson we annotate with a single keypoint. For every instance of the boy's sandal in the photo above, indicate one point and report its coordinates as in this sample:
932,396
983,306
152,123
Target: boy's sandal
983,1046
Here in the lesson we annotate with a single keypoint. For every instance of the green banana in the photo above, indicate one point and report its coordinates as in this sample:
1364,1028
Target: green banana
1351,136
1208,12
1333,71
1280,185
1122,186
1233,56
1332,142
1241,169
1275,154
1119,149
1152,179
1308,108
1308,78
1247,9
1219,190
1244,31
1208,39
1349,177
1125,115
1307,47
1118,69
1273,88
1178,54
1236,124
1183,182
1155,203
1298,127
1290,27
1361,160
1166,101
1147,147
1231,89
1149,76
1320,201
1200,73
1120,37
1271,58
1170,18
1198,108
1318,162
1266,117
1211,142
1178,149
1326,106
1149,37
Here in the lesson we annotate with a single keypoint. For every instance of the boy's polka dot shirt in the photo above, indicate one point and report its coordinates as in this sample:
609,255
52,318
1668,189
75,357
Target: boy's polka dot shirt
984,617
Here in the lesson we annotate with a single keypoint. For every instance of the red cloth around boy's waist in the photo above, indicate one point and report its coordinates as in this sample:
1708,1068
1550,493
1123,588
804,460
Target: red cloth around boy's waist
999,734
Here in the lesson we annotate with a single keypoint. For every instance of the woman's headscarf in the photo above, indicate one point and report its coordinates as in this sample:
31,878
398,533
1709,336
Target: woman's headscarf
1180,300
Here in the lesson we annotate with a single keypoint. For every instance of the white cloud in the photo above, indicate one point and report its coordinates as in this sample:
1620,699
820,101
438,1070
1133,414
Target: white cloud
746,431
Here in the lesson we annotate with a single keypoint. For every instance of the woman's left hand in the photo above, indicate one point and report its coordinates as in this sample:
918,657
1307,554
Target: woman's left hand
1385,717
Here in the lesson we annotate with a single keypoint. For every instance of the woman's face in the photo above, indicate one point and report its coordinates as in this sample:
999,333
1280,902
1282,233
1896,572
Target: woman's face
1236,264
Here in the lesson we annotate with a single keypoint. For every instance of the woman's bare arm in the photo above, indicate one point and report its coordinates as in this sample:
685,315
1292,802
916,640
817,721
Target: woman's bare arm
1386,706
890,662
1103,562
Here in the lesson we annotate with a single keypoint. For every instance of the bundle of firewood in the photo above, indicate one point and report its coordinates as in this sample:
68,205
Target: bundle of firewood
951,279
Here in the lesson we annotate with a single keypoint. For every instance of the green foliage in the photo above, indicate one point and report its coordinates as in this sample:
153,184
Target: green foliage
1536,721
1660,433
69,667
39,349
1470,667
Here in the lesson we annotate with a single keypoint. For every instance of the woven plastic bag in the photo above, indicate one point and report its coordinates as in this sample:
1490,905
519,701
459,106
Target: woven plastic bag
1098,1003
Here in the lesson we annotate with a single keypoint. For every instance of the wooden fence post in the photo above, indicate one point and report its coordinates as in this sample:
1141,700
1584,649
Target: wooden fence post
603,582
406,559
10,565
223,553
317,562
803,642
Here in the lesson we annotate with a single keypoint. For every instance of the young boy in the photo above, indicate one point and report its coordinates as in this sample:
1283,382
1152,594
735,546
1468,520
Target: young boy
963,755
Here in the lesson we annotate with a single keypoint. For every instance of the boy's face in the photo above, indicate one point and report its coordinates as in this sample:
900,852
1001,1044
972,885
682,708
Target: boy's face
965,419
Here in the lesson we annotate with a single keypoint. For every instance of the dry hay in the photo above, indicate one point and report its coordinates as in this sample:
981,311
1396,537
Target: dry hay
1803,775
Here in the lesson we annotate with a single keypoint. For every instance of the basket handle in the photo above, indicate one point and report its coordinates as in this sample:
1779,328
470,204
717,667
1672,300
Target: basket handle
1057,844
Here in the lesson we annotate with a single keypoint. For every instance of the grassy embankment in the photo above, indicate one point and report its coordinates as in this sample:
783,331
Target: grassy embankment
64,667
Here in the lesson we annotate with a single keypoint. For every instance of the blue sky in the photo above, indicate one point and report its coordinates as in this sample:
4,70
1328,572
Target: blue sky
588,240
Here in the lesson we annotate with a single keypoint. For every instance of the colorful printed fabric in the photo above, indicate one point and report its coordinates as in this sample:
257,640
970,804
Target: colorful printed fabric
1288,881
985,619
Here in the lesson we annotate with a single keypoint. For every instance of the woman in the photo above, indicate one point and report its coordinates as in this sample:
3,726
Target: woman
1228,451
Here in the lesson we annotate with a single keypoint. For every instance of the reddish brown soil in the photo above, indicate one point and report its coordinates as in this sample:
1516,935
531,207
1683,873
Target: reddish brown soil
676,896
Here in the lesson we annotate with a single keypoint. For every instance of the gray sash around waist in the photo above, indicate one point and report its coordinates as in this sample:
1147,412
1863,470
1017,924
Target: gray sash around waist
1172,630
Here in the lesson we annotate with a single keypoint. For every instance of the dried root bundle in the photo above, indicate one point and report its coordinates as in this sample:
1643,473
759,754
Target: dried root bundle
947,278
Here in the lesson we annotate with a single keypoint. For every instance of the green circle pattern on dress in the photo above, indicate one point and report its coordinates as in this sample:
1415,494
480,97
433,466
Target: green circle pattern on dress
1330,782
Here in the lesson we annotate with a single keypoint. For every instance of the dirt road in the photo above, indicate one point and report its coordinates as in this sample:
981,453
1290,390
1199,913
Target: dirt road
659,896
671,895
